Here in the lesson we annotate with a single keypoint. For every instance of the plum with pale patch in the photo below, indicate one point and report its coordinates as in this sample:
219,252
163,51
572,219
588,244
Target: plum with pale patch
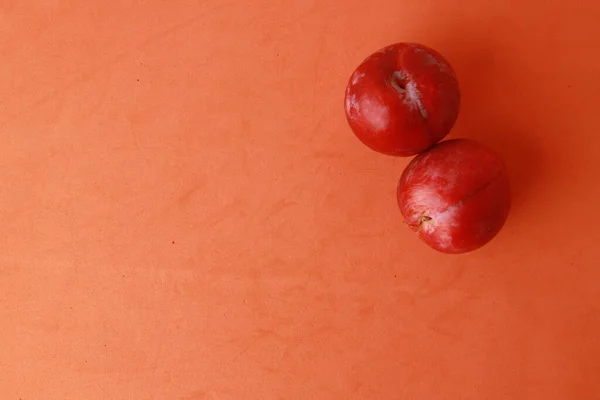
456,195
402,99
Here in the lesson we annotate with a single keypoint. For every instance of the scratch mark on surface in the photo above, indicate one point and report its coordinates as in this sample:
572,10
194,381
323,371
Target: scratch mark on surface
156,364
448,282
367,235
136,143
280,206
318,57
201,395
451,313
328,154
187,196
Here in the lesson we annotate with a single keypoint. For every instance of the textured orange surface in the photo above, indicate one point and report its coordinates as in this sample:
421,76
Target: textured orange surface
186,215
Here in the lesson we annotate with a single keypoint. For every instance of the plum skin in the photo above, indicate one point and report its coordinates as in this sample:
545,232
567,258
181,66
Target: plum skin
402,99
456,195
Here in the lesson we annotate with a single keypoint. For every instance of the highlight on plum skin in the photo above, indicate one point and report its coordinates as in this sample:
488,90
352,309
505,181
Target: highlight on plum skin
455,196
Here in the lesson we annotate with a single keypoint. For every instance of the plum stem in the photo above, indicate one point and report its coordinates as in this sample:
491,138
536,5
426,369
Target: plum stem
421,221
398,81
408,90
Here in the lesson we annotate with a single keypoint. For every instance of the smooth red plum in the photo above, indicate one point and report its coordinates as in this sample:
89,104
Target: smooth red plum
402,99
456,195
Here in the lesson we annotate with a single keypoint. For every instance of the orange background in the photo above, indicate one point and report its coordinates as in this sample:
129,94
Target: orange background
186,215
